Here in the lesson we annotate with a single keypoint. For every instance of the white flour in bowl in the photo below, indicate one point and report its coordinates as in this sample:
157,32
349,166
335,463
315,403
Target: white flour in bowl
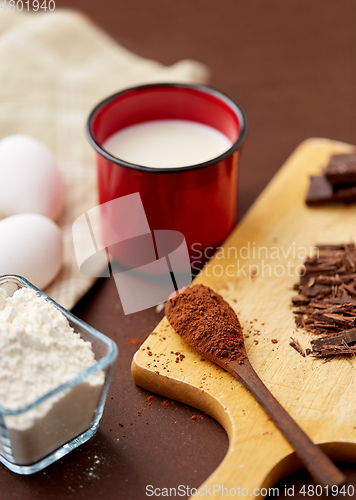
39,351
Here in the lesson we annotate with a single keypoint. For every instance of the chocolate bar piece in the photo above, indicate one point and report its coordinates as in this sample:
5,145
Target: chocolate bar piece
333,345
321,192
346,336
341,170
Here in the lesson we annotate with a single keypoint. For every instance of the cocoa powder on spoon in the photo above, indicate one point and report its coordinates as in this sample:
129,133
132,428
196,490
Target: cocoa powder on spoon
208,323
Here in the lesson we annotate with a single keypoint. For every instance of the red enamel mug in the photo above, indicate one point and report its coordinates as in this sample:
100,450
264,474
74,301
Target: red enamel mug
200,200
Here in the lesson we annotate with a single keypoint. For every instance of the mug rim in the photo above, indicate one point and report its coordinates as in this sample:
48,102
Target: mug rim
241,116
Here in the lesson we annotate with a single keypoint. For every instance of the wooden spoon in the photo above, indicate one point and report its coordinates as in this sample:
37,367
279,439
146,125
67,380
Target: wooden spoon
209,325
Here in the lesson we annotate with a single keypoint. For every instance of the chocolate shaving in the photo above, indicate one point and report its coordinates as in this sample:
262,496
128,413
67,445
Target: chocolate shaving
299,321
333,247
330,346
300,301
295,344
326,304
348,337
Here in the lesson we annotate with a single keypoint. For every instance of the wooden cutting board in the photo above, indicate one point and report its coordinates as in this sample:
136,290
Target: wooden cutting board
319,396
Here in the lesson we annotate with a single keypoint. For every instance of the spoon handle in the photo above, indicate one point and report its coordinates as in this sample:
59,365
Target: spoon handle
320,467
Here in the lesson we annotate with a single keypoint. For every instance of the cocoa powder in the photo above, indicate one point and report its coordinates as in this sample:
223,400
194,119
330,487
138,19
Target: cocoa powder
207,323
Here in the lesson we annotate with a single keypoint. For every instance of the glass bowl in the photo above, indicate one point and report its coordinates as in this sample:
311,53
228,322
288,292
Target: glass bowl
74,408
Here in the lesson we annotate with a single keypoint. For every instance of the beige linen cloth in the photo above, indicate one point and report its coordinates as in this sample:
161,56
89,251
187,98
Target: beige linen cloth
54,68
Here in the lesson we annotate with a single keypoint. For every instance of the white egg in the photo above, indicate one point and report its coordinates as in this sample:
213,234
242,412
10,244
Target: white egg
30,181
31,245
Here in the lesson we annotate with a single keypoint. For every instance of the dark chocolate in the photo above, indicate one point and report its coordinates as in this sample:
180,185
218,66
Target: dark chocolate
321,192
341,170
326,304
295,344
347,336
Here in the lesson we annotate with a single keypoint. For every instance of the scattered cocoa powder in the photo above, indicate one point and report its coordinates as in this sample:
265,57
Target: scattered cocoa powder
149,400
135,342
207,323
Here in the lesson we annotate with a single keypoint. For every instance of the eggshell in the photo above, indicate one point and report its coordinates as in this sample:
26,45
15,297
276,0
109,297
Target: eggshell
31,246
30,181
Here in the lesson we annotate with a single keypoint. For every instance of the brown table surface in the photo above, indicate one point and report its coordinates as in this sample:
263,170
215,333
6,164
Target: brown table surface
291,65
